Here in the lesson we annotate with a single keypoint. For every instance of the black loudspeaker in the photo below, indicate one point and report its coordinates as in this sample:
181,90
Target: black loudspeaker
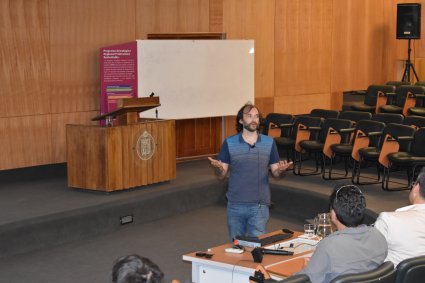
409,21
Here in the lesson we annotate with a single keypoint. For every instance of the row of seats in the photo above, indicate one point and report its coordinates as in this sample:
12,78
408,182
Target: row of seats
392,141
393,97
410,270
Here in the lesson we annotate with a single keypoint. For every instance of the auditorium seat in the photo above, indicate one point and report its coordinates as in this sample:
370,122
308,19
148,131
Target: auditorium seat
371,94
370,154
345,150
396,101
316,146
323,113
411,160
411,270
385,273
355,116
388,118
271,124
287,143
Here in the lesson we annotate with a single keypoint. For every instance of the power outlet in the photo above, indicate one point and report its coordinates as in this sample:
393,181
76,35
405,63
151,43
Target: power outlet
126,219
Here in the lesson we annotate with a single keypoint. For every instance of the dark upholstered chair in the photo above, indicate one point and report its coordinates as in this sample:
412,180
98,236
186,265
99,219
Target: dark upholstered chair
298,278
396,103
411,160
411,270
385,273
388,118
316,146
419,108
416,121
324,113
272,123
287,143
345,150
355,116
371,94
397,83
371,154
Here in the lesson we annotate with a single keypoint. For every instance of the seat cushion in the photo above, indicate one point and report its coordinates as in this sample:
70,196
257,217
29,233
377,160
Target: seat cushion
369,153
400,158
419,111
405,159
284,142
312,146
391,109
342,149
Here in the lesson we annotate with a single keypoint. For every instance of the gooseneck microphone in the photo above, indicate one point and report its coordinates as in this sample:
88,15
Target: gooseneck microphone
257,253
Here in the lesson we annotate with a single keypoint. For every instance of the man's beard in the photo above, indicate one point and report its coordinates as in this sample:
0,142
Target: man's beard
249,128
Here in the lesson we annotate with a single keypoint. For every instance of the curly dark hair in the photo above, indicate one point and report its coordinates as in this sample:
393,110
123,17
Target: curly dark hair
136,269
245,109
421,181
349,204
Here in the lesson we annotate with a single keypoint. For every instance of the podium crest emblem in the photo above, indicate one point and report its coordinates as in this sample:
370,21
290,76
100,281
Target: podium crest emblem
145,146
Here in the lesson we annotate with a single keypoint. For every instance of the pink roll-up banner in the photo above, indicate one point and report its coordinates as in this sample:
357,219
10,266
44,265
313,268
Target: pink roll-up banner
118,75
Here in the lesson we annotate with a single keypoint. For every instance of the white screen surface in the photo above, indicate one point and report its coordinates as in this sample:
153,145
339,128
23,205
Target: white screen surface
196,78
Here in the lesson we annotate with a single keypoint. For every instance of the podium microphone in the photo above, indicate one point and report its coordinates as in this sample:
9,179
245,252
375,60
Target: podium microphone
257,253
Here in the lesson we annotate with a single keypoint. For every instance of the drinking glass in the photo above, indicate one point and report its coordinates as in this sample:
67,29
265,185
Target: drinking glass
309,230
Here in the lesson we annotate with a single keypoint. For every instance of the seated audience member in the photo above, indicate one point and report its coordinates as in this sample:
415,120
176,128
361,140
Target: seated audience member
136,269
404,228
353,248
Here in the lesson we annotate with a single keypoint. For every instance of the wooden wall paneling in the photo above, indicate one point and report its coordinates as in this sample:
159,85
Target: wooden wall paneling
216,15
58,124
25,141
78,30
302,103
265,104
185,137
230,126
394,50
165,16
303,47
87,166
358,44
115,157
254,19
24,58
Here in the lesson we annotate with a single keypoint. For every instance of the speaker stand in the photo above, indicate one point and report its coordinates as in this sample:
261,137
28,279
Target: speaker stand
409,65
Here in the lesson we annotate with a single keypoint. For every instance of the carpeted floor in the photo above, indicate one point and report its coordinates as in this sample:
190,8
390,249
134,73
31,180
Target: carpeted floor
42,192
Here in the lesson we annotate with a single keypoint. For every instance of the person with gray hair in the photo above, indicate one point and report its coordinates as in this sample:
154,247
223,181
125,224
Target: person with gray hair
136,269
404,228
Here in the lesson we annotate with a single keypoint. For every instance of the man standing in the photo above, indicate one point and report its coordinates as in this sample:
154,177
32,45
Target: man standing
248,156
404,228
354,248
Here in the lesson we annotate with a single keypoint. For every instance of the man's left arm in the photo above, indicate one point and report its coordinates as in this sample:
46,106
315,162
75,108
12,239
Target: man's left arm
277,167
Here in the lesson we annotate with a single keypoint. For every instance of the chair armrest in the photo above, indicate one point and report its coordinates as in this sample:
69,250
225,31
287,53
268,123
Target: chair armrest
374,134
348,130
317,129
405,138
286,125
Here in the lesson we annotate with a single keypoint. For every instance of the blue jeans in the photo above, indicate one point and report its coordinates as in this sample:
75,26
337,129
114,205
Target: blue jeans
247,219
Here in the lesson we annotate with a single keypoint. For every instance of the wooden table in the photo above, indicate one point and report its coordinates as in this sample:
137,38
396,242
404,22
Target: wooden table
228,267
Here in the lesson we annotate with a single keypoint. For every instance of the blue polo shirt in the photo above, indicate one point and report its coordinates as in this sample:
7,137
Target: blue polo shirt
249,168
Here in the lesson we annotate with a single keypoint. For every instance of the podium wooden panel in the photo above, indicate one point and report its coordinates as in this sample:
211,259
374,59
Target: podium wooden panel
105,158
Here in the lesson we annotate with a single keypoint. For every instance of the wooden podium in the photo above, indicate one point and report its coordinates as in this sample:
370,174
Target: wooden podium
131,154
